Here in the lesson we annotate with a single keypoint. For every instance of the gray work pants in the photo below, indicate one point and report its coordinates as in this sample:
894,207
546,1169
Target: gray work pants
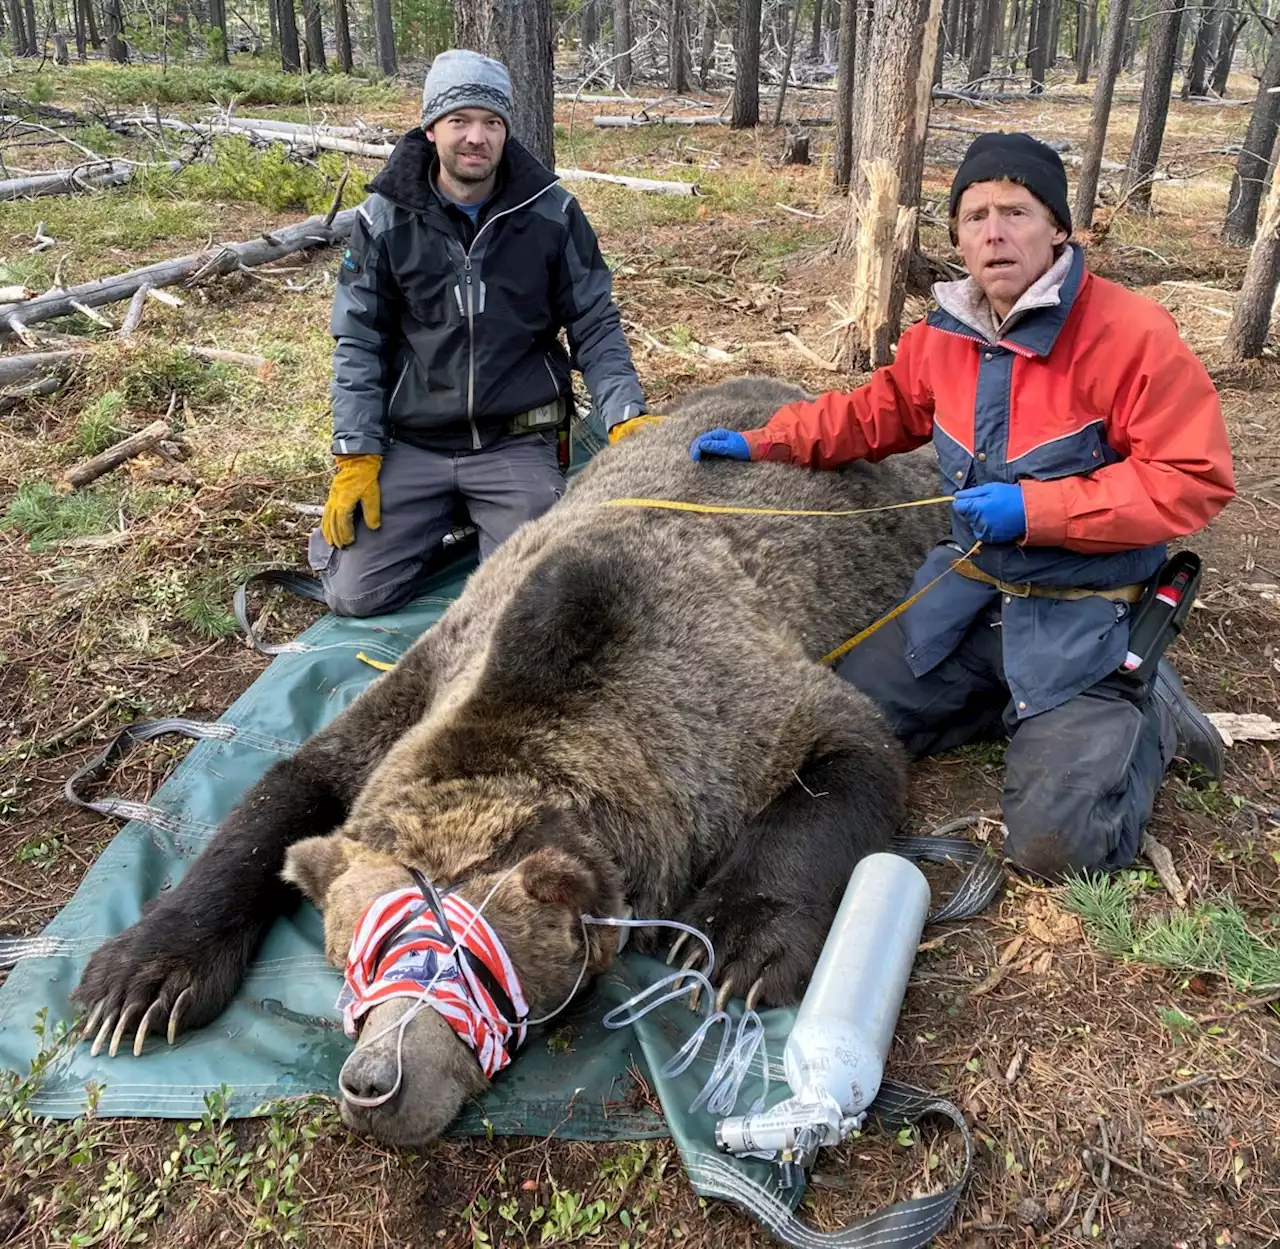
514,481
1080,779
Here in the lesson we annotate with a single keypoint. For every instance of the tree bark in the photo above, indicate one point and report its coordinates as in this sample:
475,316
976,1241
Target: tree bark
18,29
1084,50
1038,47
342,36
707,43
1227,35
60,55
1251,166
746,57
678,46
219,53
846,45
315,36
1248,330
78,15
519,34
113,20
1103,91
786,65
1153,111
1139,12
1196,80
621,43
386,36
590,28
95,40
881,227
984,41
290,51
273,22
33,29
815,43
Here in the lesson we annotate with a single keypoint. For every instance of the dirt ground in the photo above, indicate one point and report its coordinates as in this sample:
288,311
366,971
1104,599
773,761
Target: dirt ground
1055,1050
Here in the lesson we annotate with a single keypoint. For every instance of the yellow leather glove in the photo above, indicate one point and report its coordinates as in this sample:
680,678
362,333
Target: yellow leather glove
356,482
623,428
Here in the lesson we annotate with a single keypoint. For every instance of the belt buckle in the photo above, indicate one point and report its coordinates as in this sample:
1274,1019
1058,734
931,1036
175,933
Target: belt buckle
1019,589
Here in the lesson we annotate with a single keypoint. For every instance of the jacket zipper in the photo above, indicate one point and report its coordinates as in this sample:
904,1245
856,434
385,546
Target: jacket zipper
471,321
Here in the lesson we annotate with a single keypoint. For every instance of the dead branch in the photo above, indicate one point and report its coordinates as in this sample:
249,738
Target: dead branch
1160,858
90,470
656,119
10,399
634,184
213,263
90,177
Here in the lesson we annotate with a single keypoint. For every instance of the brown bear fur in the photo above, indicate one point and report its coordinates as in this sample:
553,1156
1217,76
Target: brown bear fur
622,706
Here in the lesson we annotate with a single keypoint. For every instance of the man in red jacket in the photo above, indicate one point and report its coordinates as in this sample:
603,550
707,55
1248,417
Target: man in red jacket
1078,435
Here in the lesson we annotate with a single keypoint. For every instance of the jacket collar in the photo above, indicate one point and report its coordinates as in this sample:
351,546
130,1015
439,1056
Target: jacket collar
408,179
1034,322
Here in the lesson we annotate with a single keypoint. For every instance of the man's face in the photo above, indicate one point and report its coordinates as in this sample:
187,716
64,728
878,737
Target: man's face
469,143
1006,237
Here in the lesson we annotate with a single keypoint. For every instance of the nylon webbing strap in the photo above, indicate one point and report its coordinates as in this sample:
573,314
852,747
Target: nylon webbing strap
119,746
286,579
908,1225
982,882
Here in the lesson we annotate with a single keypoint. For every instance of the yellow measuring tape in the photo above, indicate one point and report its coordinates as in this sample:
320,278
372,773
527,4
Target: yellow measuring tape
714,509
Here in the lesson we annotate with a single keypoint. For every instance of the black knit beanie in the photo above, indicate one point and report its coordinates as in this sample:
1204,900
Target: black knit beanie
1021,159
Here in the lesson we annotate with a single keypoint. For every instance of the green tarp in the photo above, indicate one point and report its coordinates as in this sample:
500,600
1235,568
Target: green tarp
281,1037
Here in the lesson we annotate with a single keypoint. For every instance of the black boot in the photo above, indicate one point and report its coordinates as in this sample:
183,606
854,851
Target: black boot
1196,738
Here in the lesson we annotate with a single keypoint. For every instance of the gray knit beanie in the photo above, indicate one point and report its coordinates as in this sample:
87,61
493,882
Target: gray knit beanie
465,79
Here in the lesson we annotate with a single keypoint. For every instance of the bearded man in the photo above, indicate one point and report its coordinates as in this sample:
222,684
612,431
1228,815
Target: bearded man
449,380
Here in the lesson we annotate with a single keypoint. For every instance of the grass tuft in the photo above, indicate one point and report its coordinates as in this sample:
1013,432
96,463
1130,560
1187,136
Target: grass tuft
45,516
99,424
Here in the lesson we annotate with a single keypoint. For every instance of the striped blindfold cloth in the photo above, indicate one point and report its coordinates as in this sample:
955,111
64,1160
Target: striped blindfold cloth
404,947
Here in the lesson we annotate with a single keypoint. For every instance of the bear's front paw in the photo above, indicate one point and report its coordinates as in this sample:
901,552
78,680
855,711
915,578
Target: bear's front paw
154,972
765,948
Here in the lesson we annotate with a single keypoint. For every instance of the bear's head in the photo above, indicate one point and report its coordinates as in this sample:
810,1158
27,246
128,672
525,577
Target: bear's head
533,901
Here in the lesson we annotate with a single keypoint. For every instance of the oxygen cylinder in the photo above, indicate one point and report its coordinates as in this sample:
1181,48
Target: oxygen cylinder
845,1024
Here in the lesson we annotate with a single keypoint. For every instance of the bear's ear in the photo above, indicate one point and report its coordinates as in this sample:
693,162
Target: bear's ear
314,863
560,879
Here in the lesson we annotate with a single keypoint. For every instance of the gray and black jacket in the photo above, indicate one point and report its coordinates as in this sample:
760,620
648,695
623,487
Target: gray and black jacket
445,331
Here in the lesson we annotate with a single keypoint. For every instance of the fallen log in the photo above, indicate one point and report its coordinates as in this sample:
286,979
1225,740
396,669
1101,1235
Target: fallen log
90,470
289,127
15,370
216,261
87,177
635,184
656,119
10,399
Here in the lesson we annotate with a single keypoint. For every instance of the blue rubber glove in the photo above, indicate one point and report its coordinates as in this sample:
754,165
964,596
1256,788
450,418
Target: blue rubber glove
720,442
995,512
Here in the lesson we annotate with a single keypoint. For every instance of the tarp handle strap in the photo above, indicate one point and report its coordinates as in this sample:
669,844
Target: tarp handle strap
982,882
908,1225
285,579
121,745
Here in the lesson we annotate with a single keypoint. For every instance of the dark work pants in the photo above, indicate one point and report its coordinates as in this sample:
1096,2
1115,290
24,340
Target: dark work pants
514,481
1080,780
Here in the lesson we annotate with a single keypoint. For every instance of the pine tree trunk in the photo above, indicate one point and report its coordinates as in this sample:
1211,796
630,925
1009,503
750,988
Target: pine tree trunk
315,36
1196,81
952,13
1227,35
91,20
1055,30
518,33
1038,49
342,36
1108,70
746,57
33,29
1251,166
590,25
707,43
881,227
17,28
622,43
290,53
1249,326
786,65
273,22
815,43
846,48
81,45
967,21
1153,111
678,46
113,20
1138,16
385,34
1084,52
219,53
984,40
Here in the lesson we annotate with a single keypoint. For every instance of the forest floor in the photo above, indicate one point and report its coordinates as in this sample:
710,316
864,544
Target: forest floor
1035,1018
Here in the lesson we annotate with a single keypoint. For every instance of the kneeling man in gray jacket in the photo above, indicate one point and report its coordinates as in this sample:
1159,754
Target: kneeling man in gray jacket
449,380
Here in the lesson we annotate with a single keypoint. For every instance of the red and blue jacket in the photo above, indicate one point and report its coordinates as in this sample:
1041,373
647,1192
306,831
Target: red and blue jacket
1103,415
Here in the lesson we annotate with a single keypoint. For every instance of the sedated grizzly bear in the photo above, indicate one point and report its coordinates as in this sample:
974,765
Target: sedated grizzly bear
622,707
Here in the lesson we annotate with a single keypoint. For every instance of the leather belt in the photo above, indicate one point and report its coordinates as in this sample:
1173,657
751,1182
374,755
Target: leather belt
1027,589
